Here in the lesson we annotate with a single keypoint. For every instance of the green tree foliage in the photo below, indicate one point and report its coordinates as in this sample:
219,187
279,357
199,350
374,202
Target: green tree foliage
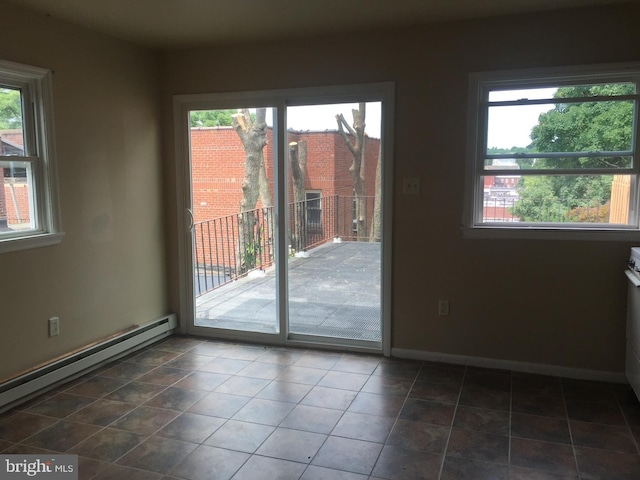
576,127
10,109
212,118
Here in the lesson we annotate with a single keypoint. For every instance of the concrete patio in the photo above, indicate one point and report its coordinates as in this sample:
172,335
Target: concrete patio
334,292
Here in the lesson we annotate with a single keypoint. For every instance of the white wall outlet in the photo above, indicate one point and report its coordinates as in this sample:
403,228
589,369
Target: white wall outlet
443,308
411,185
54,326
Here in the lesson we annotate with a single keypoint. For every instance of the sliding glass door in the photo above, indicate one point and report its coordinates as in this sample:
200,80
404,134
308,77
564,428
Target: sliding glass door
281,195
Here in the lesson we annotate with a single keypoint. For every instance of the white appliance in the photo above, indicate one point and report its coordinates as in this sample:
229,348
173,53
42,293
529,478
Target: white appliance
632,364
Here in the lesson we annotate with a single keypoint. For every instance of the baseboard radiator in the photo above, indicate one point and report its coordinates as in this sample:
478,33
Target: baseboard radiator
23,387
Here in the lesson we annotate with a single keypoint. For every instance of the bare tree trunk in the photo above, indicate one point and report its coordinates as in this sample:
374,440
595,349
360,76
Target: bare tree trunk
355,141
298,160
376,224
253,135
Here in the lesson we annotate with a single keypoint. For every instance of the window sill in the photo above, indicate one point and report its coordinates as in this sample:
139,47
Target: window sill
541,233
29,242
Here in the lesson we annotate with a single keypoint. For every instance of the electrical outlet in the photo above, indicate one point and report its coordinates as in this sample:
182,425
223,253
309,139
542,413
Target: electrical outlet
54,326
443,308
411,185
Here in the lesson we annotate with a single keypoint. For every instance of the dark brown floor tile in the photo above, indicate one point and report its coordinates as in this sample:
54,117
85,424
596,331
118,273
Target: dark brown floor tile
265,412
61,405
399,369
88,468
321,473
441,372
482,420
478,446
284,392
108,445
246,352
61,436
20,425
357,364
127,370
212,349
520,473
281,356
154,357
294,445
537,385
419,436
399,464
373,404
102,412
348,454
596,464
188,361
427,412
545,456
242,436
546,429
204,381
135,392
632,414
21,449
436,392
174,398
265,468
547,406
190,427
305,375
625,395
225,366
607,437
163,376
4,445
312,419
329,398
245,386
219,405
387,385
145,420
265,371
210,463
488,379
318,360
118,472
363,427
343,380
97,386
595,412
589,391
462,468
474,396
179,343
157,454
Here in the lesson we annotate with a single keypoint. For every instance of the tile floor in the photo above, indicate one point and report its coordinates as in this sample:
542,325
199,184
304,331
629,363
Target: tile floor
194,409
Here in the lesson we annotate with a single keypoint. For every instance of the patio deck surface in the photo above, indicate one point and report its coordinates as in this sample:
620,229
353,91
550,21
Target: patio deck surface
334,292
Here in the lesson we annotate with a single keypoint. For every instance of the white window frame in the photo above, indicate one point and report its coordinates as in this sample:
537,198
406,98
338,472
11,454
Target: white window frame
480,84
35,85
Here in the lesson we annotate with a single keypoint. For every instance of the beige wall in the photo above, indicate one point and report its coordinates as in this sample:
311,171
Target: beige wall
553,302
109,271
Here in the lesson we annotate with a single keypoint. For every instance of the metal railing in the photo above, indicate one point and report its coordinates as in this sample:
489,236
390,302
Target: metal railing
230,247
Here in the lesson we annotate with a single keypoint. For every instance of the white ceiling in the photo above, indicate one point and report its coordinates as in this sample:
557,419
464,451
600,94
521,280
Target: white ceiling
168,24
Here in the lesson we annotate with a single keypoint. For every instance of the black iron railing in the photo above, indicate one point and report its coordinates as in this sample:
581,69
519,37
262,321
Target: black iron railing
228,248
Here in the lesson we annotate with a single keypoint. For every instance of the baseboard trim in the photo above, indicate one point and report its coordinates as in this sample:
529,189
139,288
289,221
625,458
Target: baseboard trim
523,367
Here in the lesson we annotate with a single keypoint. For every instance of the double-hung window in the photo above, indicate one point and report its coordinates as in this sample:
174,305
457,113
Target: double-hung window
552,151
29,215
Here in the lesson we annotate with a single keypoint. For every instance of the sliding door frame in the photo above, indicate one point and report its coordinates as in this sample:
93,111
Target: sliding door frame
279,100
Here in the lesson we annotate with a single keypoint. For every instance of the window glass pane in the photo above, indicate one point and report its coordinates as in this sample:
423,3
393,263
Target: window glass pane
561,163
577,91
580,199
11,134
16,197
563,127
